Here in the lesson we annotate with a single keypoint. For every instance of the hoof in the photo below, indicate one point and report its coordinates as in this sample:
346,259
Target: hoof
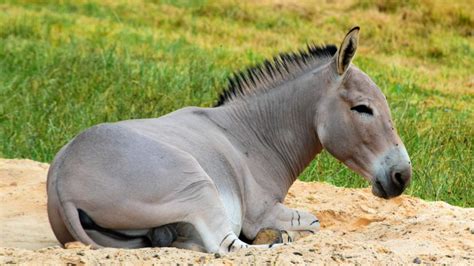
274,236
268,236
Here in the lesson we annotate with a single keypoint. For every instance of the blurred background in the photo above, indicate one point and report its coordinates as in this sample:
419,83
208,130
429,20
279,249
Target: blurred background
68,65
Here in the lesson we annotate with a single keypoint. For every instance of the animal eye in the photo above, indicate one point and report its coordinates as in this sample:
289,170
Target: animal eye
363,109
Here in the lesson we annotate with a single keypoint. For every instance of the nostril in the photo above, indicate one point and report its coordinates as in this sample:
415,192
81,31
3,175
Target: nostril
399,179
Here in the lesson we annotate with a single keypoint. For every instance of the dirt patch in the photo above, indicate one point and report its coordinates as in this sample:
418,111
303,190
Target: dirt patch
356,228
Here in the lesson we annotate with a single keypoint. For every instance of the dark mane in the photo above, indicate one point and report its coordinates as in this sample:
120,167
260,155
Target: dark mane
273,72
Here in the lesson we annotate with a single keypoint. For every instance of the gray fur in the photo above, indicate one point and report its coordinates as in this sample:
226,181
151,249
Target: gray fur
219,172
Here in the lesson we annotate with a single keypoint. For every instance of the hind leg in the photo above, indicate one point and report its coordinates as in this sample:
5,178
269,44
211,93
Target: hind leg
212,225
161,236
209,220
189,243
55,220
108,241
188,238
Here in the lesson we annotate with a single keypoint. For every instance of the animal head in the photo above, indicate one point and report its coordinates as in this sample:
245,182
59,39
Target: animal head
354,124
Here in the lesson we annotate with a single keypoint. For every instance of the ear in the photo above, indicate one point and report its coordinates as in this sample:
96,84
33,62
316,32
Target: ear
347,50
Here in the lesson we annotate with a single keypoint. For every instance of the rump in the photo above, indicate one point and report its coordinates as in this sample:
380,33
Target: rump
125,180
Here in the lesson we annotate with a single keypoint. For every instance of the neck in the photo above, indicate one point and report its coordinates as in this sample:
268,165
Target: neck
276,130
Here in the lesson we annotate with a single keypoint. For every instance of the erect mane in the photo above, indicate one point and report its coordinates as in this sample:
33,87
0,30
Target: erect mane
274,72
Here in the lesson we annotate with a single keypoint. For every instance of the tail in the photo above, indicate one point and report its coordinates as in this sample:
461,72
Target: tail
70,216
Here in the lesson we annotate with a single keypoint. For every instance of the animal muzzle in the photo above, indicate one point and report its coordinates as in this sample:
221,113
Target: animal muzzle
393,174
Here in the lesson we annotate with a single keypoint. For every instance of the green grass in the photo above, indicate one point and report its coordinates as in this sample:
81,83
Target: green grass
67,65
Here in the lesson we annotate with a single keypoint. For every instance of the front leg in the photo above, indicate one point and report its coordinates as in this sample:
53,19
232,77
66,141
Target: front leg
284,218
282,224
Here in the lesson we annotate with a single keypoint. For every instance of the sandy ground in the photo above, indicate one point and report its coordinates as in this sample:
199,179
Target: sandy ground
357,228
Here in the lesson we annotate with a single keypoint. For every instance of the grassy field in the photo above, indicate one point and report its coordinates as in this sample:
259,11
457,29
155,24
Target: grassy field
67,65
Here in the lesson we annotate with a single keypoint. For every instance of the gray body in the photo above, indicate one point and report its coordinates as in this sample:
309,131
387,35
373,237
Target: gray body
212,174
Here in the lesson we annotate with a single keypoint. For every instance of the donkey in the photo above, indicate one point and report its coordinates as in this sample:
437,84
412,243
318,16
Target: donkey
198,178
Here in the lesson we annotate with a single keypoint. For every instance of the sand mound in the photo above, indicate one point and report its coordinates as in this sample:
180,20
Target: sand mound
357,228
